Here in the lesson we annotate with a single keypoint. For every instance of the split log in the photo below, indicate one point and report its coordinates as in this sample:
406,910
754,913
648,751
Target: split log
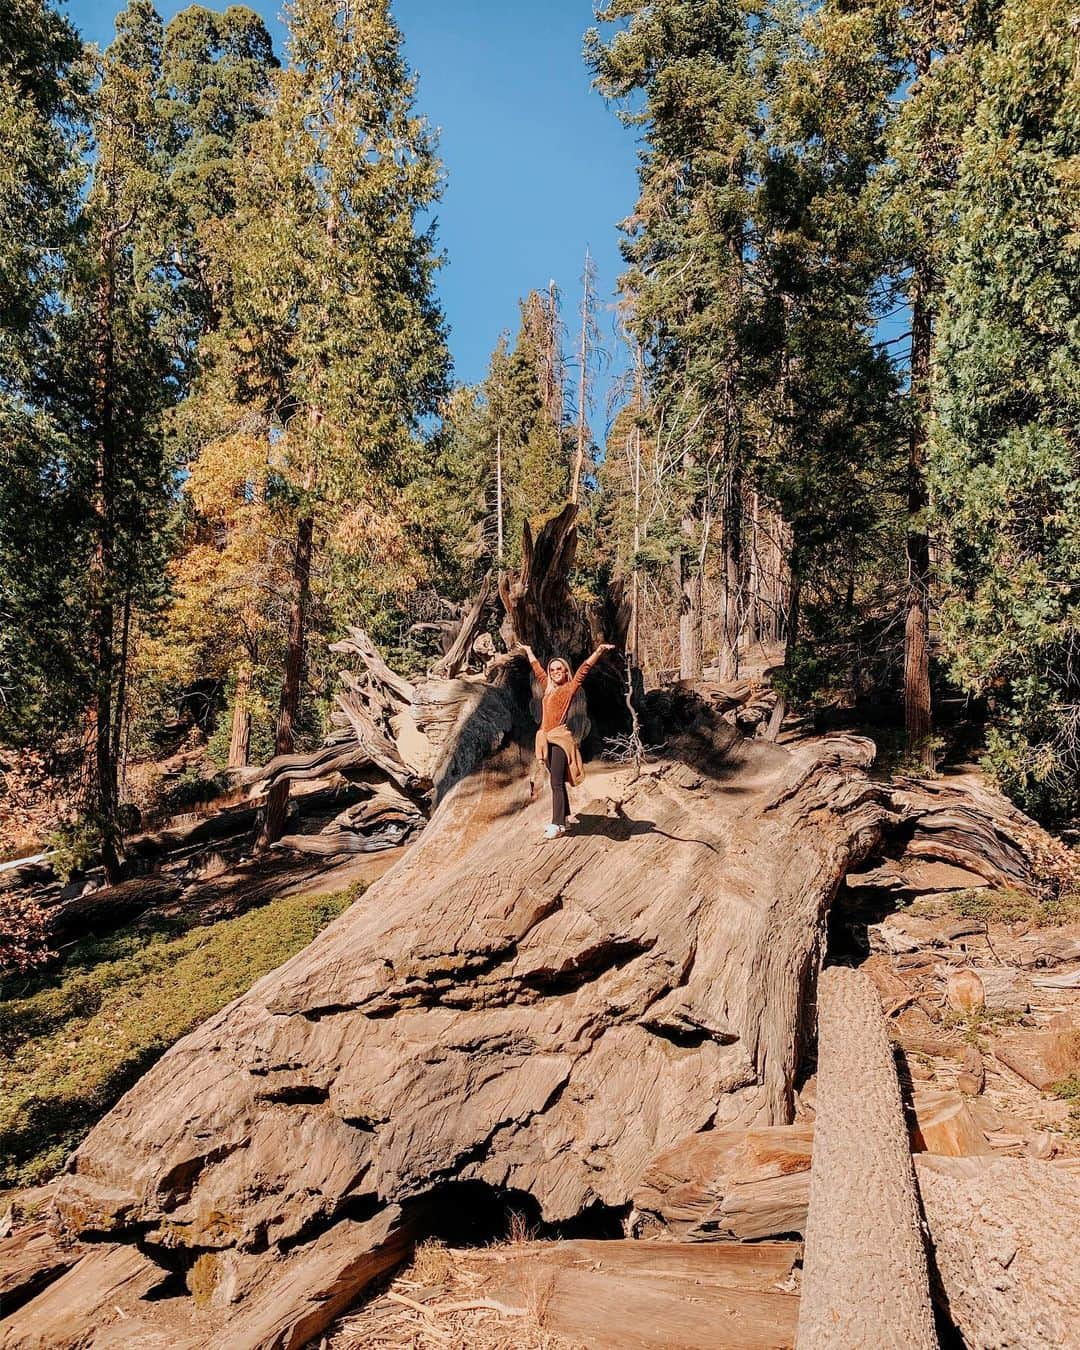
943,1123
736,1184
1005,1255
969,825
655,1296
865,1280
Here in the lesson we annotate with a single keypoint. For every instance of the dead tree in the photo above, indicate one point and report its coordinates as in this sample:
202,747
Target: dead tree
520,1016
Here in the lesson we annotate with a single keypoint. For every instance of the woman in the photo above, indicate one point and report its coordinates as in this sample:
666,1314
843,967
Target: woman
555,744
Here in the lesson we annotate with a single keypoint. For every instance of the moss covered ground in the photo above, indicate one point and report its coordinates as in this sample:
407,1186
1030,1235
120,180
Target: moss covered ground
75,1038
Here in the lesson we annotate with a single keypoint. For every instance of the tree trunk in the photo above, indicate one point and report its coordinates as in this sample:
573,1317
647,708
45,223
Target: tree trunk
240,740
1006,1263
688,583
865,1280
732,616
103,618
917,711
516,1016
277,799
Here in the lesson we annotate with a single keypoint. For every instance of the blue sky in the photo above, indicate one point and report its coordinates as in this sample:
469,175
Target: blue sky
537,166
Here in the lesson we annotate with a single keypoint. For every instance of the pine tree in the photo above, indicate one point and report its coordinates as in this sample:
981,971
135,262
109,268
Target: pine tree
825,420
1005,453
334,342
112,385
930,46
216,80
41,94
687,254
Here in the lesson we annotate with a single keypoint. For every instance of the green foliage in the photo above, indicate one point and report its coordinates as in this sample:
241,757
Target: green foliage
74,847
76,1039
1006,449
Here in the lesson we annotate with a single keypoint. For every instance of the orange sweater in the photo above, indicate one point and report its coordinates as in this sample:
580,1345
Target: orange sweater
556,698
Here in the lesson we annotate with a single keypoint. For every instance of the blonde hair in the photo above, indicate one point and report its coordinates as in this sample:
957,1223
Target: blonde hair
559,661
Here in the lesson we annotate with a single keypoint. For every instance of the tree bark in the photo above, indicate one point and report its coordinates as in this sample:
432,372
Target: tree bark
917,709
277,799
865,1277
732,613
240,740
498,1012
1006,1262
102,623
688,582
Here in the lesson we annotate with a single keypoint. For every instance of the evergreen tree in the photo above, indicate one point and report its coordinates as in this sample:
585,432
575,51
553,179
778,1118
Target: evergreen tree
930,47
1006,448
112,383
40,112
216,80
825,419
333,344
688,251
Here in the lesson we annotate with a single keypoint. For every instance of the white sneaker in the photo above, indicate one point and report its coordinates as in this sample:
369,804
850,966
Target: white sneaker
553,831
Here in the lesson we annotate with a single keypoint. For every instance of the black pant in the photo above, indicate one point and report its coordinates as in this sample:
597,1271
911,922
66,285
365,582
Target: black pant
560,800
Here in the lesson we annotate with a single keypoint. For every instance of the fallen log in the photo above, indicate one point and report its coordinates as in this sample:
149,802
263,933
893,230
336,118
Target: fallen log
30,1260
656,1296
1005,1262
494,1004
733,1184
865,1280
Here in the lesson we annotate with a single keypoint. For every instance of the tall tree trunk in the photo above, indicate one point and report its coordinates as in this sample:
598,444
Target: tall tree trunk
583,383
688,581
499,551
240,740
105,793
917,711
917,714
753,599
277,800
732,616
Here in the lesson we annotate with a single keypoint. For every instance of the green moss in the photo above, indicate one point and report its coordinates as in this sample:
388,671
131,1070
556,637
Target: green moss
1068,1089
75,1040
991,905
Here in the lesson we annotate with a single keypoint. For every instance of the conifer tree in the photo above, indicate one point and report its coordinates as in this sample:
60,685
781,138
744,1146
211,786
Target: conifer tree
334,343
40,117
1005,453
112,384
687,254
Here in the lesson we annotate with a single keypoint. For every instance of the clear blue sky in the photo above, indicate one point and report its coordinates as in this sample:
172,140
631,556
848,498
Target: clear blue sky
537,166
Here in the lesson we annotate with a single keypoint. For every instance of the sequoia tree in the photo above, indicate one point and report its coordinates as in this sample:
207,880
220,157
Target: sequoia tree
39,121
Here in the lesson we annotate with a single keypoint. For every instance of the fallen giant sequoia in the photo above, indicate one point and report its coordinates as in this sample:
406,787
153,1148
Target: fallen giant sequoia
547,1019
534,1018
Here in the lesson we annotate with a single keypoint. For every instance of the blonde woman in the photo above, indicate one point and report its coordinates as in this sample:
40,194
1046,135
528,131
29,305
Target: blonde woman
555,744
